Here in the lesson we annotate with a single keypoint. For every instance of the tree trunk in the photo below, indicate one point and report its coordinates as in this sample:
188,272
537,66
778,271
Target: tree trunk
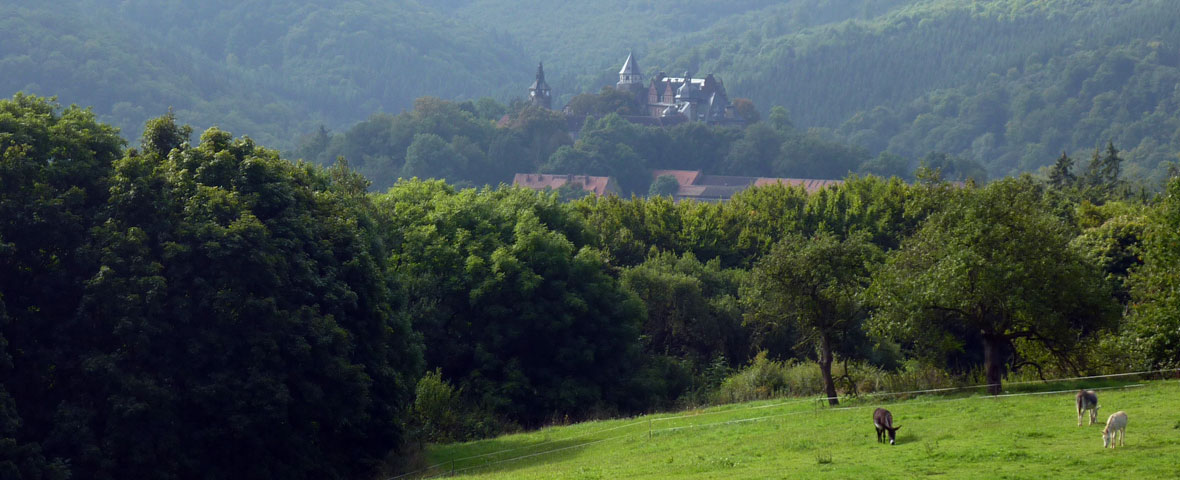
825,369
993,360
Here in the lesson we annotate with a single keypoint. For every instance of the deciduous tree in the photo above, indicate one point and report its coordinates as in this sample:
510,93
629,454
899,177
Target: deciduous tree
992,263
813,285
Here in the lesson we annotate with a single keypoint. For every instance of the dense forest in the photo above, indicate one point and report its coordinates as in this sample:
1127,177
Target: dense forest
211,309
1008,85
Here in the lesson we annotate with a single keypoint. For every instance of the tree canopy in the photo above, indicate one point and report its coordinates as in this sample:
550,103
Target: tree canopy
192,311
992,266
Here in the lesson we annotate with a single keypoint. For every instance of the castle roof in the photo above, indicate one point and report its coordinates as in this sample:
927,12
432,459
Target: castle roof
631,66
540,83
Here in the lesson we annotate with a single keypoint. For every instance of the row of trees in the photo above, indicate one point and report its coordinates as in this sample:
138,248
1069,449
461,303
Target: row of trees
211,309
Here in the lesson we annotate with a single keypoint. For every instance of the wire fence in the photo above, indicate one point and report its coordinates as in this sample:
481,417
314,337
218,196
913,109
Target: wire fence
440,470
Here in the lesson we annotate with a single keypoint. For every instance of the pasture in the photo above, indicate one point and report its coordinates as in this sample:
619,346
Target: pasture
966,436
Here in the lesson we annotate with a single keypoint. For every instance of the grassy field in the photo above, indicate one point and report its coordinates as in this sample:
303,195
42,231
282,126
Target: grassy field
1026,435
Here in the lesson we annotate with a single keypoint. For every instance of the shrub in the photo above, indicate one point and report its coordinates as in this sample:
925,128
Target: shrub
441,415
765,378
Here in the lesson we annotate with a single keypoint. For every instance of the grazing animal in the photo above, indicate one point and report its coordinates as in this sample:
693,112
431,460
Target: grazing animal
1115,425
1087,400
883,420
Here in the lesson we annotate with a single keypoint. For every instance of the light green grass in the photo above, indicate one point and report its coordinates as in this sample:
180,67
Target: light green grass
975,436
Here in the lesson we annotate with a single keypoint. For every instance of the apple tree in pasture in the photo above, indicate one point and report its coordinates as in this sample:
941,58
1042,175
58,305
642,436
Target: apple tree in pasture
992,264
813,284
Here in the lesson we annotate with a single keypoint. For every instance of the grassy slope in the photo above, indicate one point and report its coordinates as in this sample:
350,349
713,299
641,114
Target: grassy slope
969,437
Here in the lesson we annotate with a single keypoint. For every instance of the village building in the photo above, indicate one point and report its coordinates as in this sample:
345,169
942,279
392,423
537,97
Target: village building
541,181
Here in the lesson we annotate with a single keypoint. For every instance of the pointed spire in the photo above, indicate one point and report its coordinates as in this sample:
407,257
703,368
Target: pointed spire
539,91
540,83
631,66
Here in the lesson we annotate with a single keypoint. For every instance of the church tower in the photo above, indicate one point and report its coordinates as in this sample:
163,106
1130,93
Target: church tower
539,93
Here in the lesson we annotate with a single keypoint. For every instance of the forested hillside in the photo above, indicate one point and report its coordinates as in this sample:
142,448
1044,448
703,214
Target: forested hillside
1006,84
1010,84
266,68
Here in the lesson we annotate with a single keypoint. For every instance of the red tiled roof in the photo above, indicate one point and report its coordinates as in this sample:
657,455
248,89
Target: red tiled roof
683,177
540,181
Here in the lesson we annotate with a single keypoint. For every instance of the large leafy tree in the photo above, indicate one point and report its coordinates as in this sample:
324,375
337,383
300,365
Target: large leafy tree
692,308
813,285
512,304
246,325
992,265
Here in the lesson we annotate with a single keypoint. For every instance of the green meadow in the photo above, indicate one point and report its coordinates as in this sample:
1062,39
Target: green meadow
1026,434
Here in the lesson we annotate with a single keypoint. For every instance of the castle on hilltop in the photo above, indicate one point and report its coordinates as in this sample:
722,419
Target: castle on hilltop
696,99
663,100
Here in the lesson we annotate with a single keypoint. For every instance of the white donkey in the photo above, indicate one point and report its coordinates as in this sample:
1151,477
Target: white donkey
1115,425
1087,400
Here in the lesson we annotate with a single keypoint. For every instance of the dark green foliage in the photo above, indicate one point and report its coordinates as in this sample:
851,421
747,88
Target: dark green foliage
664,185
441,414
54,170
513,307
1101,178
993,265
1112,235
812,286
607,147
442,139
215,312
1153,328
607,101
952,168
570,192
252,289
1061,176
692,308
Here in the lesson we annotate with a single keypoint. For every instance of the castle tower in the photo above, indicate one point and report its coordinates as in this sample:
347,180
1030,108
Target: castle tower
539,93
630,74
631,81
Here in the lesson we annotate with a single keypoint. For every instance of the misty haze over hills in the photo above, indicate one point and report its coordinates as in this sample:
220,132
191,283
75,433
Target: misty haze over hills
1007,84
